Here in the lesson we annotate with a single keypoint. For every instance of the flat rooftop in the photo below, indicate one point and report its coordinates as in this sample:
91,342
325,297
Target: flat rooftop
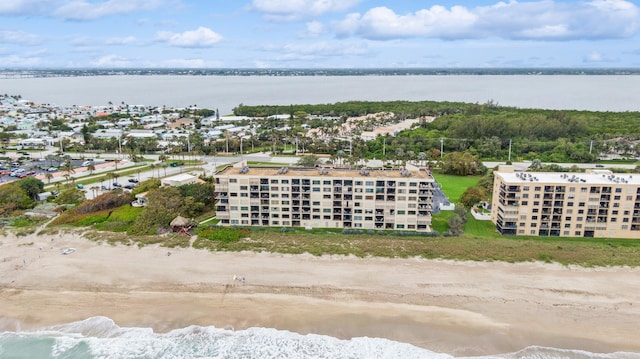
597,177
315,172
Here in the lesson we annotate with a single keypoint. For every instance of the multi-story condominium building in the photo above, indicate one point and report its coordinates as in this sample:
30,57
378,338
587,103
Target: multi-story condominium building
324,198
594,204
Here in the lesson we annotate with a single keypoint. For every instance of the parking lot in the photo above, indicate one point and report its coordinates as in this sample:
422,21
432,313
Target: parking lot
18,165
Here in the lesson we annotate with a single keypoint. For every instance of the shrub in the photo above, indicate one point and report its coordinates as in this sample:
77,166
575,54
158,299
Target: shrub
223,234
104,201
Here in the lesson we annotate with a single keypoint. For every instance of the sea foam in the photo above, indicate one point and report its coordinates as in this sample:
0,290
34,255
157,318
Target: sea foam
100,337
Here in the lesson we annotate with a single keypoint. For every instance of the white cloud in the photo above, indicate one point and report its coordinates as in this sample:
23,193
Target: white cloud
201,37
22,7
120,40
186,63
299,9
111,61
384,23
597,57
312,51
84,10
536,20
20,61
19,38
314,29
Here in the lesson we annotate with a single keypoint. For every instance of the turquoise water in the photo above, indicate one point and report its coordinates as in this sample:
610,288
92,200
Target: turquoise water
100,337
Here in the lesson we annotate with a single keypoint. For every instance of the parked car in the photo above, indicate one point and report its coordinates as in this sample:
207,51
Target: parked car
52,169
116,184
133,180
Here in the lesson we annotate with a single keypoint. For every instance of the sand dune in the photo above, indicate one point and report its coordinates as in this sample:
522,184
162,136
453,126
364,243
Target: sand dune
490,307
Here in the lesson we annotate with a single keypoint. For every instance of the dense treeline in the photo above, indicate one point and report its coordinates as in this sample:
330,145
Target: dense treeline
355,108
487,130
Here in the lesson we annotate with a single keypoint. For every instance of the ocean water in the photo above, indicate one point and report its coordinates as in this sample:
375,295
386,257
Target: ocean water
558,92
100,337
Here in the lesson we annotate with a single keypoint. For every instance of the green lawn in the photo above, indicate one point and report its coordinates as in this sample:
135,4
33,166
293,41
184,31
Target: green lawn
454,186
480,229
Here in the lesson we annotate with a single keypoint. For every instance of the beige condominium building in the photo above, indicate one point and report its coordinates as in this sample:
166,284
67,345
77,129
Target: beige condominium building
593,204
324,198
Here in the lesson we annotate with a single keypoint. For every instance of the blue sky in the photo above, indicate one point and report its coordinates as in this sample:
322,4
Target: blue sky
318,33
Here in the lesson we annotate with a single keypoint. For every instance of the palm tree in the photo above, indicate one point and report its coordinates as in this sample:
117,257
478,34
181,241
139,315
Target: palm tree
48,176
68,169
422,157
91,167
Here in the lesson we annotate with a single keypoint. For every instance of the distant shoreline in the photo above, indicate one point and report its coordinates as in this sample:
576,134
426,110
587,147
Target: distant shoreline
79,72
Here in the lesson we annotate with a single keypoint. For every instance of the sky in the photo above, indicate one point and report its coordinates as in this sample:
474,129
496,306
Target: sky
319,34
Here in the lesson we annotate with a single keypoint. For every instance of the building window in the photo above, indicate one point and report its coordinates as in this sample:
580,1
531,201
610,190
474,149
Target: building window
244,208
536,196
618,190
234,208
537,188
581,204
244,194
244,188
525,203
534,218
233,180
568,219
525,195
567,225
400,226
316,182
536,203
569,204
533,225
536,210
525,188
616,198
578,233
565,233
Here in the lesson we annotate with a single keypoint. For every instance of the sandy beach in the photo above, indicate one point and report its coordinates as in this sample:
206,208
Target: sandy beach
460,308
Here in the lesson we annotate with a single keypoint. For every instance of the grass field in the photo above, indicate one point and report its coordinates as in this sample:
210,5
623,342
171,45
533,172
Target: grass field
454,186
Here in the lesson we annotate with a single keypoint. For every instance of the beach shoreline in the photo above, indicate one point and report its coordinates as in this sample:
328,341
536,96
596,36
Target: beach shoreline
459,308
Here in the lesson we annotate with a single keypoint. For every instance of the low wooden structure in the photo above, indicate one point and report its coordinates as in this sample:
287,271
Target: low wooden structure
182,225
